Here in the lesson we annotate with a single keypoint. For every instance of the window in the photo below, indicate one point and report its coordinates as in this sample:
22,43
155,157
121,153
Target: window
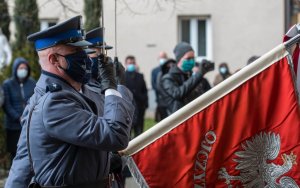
47,23
197,31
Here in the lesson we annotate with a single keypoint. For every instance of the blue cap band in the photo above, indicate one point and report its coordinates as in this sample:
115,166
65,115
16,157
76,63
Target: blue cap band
95,40
51,41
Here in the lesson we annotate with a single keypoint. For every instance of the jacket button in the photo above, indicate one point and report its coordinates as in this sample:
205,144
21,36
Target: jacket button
127,120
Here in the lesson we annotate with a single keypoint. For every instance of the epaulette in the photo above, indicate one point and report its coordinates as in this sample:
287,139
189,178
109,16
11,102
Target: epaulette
53,87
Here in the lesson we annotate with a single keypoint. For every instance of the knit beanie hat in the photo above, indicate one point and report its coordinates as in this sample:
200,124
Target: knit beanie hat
180,49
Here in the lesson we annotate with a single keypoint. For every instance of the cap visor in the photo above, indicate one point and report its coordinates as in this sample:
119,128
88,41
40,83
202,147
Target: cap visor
82,43
89,51
106,47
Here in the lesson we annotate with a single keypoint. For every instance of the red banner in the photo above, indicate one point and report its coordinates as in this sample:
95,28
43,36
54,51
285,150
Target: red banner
250,138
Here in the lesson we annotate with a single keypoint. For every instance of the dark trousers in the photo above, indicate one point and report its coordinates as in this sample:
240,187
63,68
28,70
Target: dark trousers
160,113
12,138
138,126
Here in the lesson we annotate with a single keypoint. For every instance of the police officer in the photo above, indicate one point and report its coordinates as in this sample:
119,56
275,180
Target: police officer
67,142
95,37
99,50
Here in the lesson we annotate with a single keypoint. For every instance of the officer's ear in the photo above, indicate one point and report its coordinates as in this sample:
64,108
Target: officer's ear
53,59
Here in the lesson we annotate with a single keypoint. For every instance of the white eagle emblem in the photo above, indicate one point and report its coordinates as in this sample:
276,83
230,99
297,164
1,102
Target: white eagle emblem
255,171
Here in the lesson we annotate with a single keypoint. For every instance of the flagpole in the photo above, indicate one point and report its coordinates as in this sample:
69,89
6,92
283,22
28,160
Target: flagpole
103,28
290,61
217,92
292,41
289,44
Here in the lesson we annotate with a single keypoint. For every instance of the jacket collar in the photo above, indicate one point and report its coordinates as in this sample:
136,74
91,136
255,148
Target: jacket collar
48,78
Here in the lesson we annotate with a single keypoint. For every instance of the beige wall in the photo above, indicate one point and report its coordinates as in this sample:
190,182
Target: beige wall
240,28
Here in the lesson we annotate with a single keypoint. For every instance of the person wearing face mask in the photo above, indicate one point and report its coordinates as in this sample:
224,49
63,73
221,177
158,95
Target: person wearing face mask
68,143
224,73
135,82
95,37
179,83
161,94
17,90
162,58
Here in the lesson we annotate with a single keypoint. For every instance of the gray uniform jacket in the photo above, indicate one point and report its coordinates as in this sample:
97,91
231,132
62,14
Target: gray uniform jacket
69,143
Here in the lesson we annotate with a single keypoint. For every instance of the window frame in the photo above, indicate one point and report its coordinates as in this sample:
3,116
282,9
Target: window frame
44,23
194,34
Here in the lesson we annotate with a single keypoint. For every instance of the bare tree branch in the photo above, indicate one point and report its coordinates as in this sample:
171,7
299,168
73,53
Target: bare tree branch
157,6
67,8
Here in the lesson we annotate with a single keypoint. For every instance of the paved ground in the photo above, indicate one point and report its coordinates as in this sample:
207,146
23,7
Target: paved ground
130,183
2,181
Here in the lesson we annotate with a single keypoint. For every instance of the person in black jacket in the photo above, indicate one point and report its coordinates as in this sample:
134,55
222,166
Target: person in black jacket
179,84
161,94
136,84
17,90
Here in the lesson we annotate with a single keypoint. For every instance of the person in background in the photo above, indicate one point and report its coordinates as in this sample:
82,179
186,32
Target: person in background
162,58
135,82
17,90
161,94
178,83
252,59
223,74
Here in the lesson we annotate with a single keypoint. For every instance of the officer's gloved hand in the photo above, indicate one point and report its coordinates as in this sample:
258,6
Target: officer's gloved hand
107,74
115,163
120,72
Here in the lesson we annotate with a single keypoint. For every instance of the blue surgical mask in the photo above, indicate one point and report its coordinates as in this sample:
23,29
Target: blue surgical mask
162,61
223,70
131,68
22,73
187,65
77,65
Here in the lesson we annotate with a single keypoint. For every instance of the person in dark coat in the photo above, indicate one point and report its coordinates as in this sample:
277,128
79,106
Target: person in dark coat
179,83
162,58
161,94
223,74
17,90
154,73
136,84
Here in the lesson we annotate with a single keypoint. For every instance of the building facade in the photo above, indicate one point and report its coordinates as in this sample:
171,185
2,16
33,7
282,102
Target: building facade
222,31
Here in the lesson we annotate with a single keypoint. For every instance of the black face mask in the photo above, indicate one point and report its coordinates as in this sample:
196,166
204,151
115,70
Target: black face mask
78,64
88,72
95,70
